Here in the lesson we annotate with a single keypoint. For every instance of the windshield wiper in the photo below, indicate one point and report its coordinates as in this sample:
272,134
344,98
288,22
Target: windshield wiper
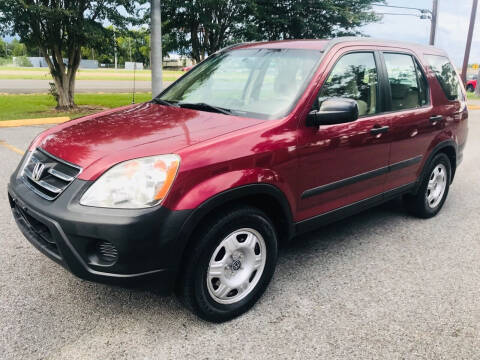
163,102
206,107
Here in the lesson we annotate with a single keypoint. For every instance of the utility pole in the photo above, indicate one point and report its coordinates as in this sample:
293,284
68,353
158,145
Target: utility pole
469,41
433,28
130,48
115,47
156,46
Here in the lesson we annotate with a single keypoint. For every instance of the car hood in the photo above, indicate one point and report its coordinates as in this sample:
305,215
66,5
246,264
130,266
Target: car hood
134,131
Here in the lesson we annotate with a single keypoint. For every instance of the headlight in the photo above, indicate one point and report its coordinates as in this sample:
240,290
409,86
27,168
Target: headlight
134,184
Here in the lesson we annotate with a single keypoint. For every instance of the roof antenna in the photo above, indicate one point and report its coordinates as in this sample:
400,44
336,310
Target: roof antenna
133,93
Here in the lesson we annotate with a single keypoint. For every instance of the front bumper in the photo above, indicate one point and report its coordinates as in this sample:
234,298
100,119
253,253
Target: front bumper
147,241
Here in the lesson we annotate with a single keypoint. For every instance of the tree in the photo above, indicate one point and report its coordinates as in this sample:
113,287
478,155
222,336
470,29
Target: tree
309,19
199,27
59,28
3,48
202,27
17,48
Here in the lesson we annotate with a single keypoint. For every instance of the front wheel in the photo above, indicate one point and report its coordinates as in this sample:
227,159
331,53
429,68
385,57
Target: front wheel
470,88
433,190
230,265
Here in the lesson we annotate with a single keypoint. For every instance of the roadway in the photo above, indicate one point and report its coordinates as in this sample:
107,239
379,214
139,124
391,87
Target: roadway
81,86
380,285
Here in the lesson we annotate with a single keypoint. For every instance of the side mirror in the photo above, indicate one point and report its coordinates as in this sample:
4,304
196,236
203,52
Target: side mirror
334,111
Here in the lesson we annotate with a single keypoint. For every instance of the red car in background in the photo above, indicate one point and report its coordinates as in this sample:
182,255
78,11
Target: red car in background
471,84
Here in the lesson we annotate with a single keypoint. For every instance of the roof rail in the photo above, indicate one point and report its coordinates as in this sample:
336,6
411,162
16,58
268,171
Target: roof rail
226,48
341,39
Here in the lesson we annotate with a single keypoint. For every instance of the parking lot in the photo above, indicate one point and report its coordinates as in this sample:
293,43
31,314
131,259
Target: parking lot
379,285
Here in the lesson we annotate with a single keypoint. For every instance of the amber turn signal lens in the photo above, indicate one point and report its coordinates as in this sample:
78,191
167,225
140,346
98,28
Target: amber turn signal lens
171,173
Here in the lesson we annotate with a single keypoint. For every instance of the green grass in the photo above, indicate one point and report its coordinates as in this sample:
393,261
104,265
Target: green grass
14,107
472,96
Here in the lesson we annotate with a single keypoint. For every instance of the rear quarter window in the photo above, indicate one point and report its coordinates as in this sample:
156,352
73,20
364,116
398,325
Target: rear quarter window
446,76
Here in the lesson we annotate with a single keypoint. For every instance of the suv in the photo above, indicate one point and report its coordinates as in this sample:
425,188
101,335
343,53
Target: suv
197,188
471,84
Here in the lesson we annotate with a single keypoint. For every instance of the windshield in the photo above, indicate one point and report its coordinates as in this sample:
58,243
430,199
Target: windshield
260,83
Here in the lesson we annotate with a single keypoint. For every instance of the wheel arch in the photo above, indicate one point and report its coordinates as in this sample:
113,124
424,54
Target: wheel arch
265,197
449,148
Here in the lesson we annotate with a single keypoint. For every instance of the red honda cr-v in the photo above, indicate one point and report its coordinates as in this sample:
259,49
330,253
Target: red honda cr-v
255,145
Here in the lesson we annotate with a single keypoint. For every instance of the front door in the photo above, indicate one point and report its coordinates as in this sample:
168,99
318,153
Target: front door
344,163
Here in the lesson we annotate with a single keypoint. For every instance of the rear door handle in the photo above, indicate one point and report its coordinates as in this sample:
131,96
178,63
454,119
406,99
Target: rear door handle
379,130
436,118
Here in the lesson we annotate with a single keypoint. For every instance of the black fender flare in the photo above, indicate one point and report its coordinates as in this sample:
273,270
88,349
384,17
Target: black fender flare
223,198
436,149
234,194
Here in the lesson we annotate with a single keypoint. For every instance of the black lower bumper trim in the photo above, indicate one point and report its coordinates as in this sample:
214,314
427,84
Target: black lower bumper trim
68,233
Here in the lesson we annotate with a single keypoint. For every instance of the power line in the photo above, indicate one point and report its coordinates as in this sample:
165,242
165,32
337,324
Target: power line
404,14
423,11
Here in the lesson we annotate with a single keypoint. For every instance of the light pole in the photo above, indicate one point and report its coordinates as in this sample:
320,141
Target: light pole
424,14
115,48
469,41
156,46
433,28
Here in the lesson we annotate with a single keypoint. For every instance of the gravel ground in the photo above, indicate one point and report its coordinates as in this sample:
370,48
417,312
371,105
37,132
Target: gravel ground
379,285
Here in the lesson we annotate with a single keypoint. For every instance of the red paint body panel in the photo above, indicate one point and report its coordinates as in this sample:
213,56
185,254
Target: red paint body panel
220,152
97,142
473,83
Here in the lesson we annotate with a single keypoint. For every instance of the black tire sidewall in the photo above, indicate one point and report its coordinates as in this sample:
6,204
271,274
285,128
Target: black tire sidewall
242,218
438,159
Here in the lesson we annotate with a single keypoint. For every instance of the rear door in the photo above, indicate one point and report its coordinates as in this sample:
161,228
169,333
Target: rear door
413,121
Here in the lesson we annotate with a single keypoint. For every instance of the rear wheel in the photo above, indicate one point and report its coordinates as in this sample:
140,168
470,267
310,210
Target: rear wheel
230,265
470,88
433,190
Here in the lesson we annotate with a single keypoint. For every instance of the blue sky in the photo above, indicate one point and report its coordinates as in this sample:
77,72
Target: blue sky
453,19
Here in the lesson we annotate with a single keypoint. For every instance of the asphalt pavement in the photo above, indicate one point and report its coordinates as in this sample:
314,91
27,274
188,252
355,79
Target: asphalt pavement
380,285
81,86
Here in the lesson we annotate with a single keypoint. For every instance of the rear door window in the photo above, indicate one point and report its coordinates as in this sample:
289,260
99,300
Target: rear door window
446,76
408,86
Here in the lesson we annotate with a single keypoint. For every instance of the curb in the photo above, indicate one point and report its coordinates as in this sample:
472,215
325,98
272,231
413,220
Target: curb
29,122
473,107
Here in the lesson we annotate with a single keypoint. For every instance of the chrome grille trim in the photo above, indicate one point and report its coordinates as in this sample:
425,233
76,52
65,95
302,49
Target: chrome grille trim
56,177
61,175
60,160
43,183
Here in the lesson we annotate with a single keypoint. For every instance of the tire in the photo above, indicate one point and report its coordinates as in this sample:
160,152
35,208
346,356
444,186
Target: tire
239,247
433,190
470,88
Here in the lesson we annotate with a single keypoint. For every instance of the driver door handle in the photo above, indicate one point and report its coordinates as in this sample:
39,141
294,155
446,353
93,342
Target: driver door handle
436,118
379,130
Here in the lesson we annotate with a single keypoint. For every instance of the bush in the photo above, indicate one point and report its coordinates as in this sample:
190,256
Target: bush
23,61
5,61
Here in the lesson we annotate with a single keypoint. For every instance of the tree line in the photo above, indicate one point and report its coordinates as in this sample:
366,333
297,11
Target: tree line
75,29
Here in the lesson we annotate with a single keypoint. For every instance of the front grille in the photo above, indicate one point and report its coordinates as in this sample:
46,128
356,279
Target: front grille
40,231
47,175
